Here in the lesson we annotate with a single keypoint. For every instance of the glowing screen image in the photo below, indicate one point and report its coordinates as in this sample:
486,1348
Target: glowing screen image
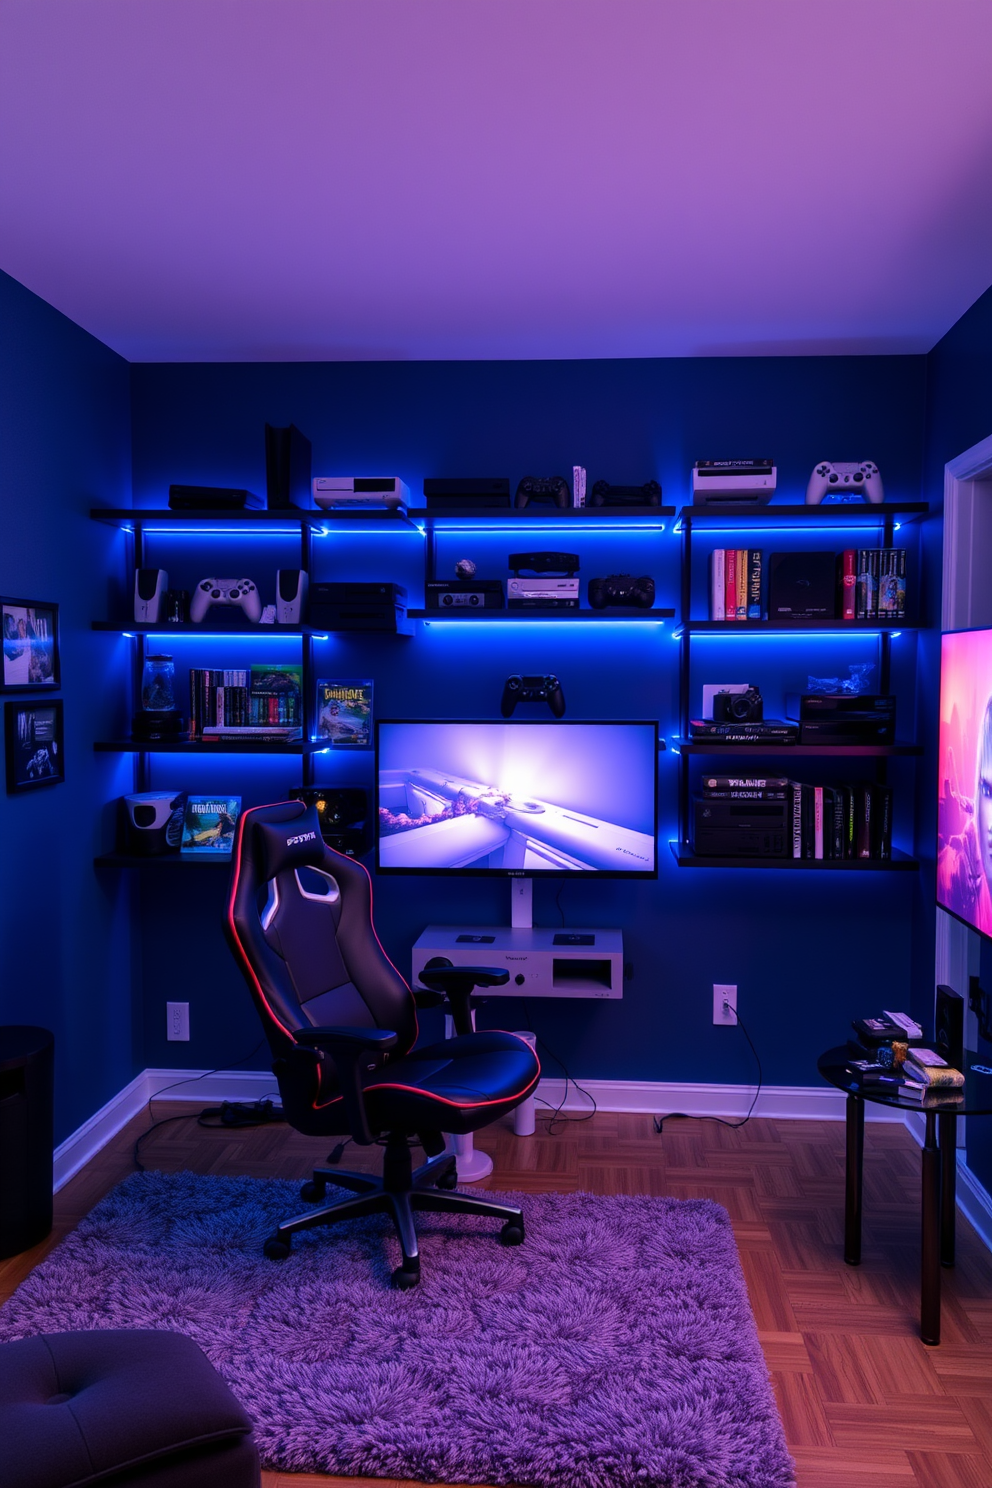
515,797
964,802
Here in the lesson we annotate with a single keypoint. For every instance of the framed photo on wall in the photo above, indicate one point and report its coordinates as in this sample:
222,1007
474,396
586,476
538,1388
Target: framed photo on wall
30,631
35,751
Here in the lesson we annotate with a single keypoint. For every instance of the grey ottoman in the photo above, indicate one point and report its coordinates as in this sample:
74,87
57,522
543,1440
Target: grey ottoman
119,1409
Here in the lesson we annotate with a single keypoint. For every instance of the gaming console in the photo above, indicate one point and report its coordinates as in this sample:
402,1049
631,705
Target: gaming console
287,467
846,478
479,491
213,498
291,595
621,589
464,594
733,483
843,718
532,593
553,488
357,606
150,585
541,962
605,494
241,593
519,689
741,829
544,563
360,493
342,812
802,586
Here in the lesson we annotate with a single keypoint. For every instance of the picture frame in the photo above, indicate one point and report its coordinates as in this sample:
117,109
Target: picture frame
34,744
29,629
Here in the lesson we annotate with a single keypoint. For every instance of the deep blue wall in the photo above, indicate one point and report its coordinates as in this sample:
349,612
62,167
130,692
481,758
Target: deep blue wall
65,932
808,951
959,414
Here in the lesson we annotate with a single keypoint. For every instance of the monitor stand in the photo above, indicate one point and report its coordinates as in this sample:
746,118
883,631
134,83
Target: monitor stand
473,1166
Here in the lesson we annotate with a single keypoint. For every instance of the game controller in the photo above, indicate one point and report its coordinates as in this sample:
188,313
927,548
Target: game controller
603,494
543,488
621,589
532,690
845,478
239,592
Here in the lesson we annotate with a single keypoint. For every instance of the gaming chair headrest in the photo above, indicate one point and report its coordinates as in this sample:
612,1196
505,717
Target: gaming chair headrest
294,843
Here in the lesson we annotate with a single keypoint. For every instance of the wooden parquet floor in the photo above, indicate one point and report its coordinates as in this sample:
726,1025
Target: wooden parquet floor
864,1402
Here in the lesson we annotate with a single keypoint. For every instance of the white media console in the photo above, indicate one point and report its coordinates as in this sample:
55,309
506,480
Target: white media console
541,962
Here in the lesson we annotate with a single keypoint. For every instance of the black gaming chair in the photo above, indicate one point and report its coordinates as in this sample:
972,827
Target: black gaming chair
342,1024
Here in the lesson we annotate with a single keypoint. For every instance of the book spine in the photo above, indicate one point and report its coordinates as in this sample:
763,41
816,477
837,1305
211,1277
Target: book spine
808,840
219,709
797,819
754,577
746,782
862,824
863,585
837,849
847,576
744,795
883,823
871,598
730,583
884,587
718,586
194,726
818,821
899,580
741,584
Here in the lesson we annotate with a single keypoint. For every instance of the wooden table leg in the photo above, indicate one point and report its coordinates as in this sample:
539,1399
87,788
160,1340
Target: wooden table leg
947,1123
930,1236
854,1178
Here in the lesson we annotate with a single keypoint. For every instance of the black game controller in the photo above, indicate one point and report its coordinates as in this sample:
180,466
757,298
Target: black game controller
621,589
543,488
532,690
603,494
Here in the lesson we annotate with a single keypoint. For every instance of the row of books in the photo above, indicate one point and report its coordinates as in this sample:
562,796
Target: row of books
824,821
872,583
736,577
263,701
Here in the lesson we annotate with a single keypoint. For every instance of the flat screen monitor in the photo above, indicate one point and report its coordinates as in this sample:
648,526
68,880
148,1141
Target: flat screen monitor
964,789
511,798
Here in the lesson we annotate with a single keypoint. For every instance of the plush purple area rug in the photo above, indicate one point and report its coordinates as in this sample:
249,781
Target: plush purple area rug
615,1347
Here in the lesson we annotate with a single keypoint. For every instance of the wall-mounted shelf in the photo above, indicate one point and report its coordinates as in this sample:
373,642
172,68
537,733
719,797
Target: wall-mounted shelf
838,514
197,746
292,518
551,516
900,862
555,617
833,751
207,632
164,860
805,627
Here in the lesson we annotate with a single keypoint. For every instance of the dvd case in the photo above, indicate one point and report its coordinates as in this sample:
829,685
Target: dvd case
344,713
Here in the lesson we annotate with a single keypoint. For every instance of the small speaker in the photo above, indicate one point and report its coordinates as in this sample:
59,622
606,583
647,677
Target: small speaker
150,585
291,596
948,1026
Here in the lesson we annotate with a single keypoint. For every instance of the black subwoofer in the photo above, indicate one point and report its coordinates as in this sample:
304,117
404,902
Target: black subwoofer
26,1136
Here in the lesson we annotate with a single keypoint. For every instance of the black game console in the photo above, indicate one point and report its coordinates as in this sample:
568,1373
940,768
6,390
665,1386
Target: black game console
741,829
544,563
287,467
463,594
213,498
485,491
605,494
843,718
340,606
802,586
553,488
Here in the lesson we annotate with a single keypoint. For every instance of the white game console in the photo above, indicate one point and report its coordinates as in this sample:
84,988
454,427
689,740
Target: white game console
730,483
541,962
845,478
558,592
360,492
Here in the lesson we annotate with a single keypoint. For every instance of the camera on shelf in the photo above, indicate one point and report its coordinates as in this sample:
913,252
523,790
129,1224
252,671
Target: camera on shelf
738,707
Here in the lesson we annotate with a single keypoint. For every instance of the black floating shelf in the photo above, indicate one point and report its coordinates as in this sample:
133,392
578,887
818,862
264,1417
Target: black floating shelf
547,514
164,628
163,860
285,517
197,747
803,751
524,617
798,627
899,862
843,513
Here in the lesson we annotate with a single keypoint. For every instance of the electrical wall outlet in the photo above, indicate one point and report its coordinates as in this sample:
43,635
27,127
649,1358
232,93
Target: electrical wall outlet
725,1003
177,1022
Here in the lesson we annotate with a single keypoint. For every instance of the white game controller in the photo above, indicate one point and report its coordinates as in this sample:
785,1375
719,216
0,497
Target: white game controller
240,592
845,478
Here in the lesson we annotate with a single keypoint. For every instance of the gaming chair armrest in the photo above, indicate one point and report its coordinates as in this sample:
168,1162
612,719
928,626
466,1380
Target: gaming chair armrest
458,983
347,1047
427,999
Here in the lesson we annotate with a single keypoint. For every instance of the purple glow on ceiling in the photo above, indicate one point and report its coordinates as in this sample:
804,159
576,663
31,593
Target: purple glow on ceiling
393,179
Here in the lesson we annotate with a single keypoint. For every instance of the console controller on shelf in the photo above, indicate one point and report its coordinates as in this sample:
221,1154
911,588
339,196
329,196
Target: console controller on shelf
518,689
845,478
621,589
238,592
552,488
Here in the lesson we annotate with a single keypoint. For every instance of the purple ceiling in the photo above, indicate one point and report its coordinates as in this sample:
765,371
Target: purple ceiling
352,179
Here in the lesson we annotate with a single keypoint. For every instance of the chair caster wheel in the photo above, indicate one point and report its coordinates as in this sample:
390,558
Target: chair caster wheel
448,1180
312,1193
512,1232
275,1248
403,1280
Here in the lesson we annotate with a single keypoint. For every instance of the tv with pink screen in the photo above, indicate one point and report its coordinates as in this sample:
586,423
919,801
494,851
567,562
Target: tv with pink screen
964,800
